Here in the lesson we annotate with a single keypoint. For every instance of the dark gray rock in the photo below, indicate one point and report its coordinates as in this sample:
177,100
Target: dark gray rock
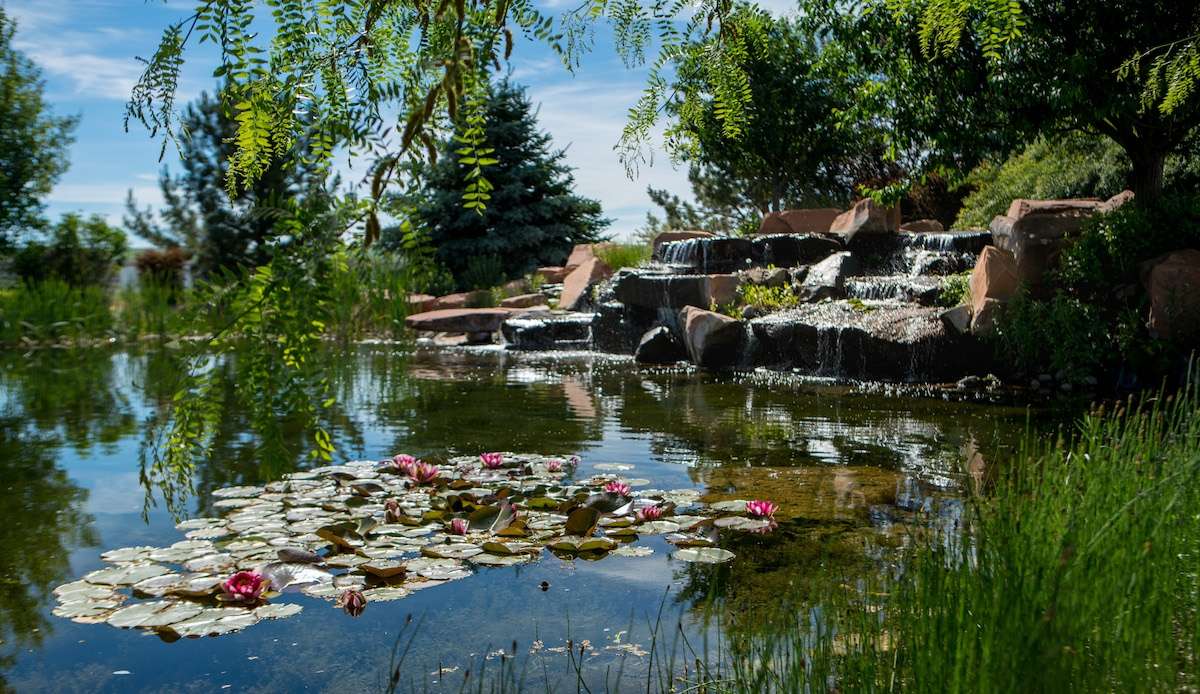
708,255
569,331
790,250
659,346
827,279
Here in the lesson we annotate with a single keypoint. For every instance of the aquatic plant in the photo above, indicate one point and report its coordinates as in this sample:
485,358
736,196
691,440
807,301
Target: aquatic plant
459,526
761,508
554,466
353,602
404,463
618,487
649,513
424,473
492,461
244,586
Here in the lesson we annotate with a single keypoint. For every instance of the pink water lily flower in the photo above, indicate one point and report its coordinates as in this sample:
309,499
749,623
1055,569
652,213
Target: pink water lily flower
650,513
760,508
554,466
244,586
352,601
618,487
404,463
459,526
492,461
424,473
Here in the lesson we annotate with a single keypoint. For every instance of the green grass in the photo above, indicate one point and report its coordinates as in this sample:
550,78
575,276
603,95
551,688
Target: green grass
768,298
619,255
53,311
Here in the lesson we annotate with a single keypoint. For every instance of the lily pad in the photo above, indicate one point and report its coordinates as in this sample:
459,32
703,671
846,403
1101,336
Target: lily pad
214,621
704,555
125,574
385,568
283,575
159,613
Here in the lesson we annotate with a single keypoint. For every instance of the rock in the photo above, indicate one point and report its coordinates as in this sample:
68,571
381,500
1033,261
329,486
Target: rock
483,337
866,217
576,285
912,290
752,312
1036,231
461,300
570,331
888,342
650,290
923,225
618,328
804,221
419,303
516,287
983,317
523,301
459,320
681,235
712,340
957,319
552,274
1115,202
659,346
1173,284
792,250
580,254
994,277
707,255
827,279
766,277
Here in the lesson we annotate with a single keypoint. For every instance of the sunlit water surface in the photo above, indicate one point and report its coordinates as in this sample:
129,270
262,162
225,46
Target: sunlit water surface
850,472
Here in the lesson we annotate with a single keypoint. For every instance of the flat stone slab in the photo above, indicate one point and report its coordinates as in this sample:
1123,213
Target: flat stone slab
459,320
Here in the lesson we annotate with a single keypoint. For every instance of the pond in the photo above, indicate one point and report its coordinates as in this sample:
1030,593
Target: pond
849,469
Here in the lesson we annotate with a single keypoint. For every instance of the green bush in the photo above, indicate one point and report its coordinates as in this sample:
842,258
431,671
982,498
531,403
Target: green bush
1068,167
768,298
619,255
1061,334
483,272
955,290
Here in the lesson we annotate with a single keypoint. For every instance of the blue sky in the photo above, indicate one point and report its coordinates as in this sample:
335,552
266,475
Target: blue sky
87,49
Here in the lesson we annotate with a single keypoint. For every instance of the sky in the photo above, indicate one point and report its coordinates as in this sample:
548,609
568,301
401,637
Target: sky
87,51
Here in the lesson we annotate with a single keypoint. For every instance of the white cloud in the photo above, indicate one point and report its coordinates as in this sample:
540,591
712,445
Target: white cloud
91,74
68,194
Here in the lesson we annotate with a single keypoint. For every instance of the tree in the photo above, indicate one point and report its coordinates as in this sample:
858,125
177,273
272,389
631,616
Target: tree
533,217
791,147
77,250
1048,66
720,208
220,230
33,142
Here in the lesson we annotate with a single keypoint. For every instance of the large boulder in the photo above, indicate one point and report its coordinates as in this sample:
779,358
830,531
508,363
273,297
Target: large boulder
581,253
418,303
805,221
1036,232
1173,283
957,319
576,285
677,235
983,317
546,331
461,300
523,301
707,255
994,278
552,274
650,290
713,340
791,250
923,226
866,217
659,346
827,279
459,320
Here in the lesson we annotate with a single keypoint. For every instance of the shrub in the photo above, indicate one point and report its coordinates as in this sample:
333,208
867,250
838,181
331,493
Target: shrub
162,267
768,298
483,272
956,289
619,255
1062,334
1067,167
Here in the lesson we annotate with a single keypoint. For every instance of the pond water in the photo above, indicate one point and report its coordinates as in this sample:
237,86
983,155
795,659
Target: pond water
849,470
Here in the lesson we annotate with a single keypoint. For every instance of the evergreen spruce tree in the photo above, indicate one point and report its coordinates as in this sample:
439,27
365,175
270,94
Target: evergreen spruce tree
533,217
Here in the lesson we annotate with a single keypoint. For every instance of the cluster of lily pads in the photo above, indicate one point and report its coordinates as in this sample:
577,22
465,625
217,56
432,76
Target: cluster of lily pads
371,531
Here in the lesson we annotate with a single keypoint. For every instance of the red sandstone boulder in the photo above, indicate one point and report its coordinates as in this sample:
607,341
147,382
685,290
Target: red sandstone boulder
866,217
669,236
712,340
1036,231
1173,283
552,274
461,300
523,301
804,221
516,287
1115,201
923,225
581,279
582,253
419,303
994,278
459,320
